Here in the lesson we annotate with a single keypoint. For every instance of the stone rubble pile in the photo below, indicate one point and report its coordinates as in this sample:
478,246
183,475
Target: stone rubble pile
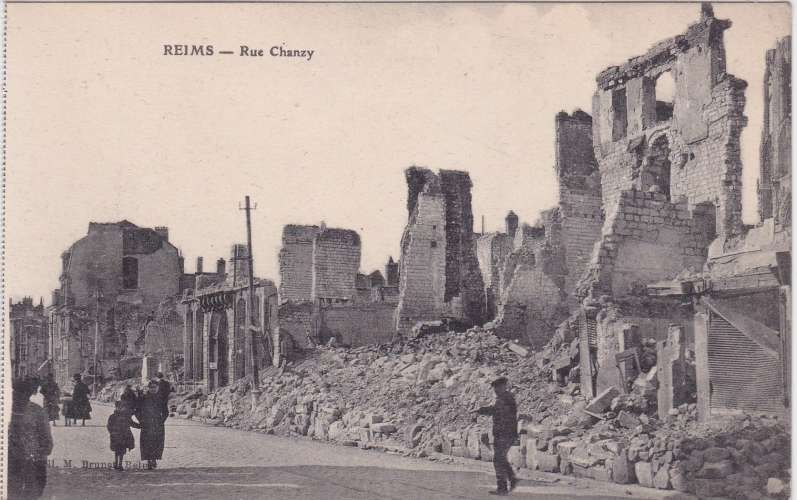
417,396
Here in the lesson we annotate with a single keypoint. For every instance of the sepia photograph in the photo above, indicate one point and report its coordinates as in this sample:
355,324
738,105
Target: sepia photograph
401,251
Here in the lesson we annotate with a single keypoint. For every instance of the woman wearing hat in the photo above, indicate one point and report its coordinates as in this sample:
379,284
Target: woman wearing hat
153,432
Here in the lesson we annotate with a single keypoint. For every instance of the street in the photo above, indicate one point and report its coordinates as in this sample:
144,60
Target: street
204,462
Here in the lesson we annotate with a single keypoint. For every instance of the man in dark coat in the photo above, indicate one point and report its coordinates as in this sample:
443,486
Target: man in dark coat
29,444
153,432
164,391
81,407
52,396
504,413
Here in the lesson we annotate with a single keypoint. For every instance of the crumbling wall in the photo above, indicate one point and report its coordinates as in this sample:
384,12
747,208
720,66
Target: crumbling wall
439,272
422,266
463,277
774,184
645,239
336,260
296,321
296,263
692,151
579,196
492,250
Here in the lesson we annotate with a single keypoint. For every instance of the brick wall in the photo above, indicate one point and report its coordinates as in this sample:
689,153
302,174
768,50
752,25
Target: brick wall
645,239
336,260
295,319
296,263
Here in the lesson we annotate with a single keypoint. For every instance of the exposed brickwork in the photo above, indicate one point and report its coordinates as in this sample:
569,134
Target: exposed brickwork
296,262
491,251
357,325
336,260
645,239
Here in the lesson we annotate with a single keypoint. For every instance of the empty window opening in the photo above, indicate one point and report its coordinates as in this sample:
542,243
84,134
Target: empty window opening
665,96
129,273
619,114
655,173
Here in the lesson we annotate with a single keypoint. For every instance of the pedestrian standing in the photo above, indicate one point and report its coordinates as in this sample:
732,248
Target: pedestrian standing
118,426
29,444
153,431
52,394
504,414
81,407
164,391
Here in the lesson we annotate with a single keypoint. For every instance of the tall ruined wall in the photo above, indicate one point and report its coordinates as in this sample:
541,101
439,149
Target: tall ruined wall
579,196
439,272
463,277
296,263
774,188
689,147
422,266
336,260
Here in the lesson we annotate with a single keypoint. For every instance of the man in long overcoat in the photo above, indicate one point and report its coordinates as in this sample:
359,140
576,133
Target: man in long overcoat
81,407
504,413
52,396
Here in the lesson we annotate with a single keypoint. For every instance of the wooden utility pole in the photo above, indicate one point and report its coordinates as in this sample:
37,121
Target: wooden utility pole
96,341
252,326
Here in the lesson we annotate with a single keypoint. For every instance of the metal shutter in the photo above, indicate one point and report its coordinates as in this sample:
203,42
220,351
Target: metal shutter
743,375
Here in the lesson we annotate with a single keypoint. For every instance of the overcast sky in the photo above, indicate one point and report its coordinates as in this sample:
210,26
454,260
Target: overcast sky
102,127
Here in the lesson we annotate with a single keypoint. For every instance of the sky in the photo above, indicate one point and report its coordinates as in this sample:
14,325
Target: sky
102,127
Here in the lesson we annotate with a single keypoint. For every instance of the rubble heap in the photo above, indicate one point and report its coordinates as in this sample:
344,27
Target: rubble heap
417,396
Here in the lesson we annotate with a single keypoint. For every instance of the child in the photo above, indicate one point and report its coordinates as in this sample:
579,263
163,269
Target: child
119,424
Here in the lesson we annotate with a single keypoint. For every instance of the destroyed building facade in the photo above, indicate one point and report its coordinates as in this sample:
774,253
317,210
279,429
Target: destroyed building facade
217,341
538,277
114,278
439,274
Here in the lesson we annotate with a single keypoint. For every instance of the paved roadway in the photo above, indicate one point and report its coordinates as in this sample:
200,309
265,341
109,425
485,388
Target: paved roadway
204,462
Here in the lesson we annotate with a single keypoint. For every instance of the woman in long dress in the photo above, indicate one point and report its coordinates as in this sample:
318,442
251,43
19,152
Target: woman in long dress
153,431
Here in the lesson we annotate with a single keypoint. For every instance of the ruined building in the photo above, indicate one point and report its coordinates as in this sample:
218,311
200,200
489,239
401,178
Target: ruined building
438,270
538,277
115,276
674,263
29,338
217,342
322,294
491,251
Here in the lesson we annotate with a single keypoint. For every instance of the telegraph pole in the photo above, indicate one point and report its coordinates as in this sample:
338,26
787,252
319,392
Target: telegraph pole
252,327
96,340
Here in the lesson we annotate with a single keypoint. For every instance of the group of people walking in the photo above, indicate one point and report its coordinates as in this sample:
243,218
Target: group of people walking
30,439
150,407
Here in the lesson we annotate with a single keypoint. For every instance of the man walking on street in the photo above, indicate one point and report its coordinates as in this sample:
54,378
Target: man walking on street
164,391
504,413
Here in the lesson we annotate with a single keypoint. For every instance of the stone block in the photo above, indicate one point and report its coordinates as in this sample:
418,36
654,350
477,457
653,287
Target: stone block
486,452
622,469
531,457
644,473
602,401
662,478
716,470
547,462
473,444
383,428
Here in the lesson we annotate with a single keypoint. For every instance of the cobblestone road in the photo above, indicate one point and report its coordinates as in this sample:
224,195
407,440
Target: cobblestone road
203,462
